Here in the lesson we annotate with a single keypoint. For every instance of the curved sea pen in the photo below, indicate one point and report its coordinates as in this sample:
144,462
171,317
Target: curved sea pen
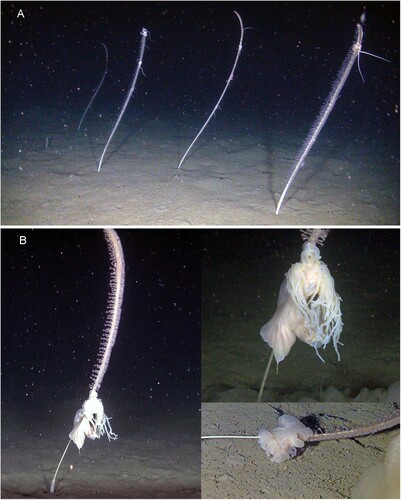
230,78
98,87
144,33
90,420
326,109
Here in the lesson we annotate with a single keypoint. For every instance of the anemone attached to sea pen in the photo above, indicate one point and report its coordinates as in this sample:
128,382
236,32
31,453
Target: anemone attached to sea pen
283,442
308,306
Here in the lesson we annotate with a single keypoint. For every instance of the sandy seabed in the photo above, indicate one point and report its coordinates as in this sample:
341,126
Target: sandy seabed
231,177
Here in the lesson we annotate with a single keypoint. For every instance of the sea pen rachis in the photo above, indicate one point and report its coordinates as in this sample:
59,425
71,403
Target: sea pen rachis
113,307
326,109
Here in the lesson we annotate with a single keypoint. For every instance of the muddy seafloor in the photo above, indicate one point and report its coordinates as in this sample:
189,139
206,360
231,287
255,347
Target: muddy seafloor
239,468
154,456
234,175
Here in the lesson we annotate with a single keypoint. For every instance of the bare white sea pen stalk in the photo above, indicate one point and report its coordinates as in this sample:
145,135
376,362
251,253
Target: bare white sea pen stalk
230,78
262,386
98,87
144,34
53,483
229,437
326,109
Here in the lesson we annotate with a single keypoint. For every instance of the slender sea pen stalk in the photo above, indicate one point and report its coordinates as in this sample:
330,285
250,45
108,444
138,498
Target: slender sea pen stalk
144,33
262,386
98,87
230,78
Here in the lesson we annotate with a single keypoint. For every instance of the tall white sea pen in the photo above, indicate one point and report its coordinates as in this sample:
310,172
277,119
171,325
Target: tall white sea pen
90,420
230,78
144,33
98,87
326,109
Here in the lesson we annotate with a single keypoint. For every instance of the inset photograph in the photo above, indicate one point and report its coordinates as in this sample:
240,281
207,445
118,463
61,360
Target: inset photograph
100,364
300,450
301,315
